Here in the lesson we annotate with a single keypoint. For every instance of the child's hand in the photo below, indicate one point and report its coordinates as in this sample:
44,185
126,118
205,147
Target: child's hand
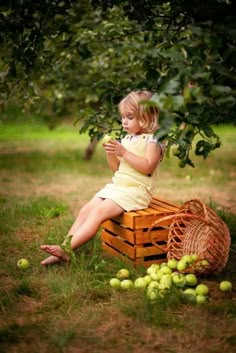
114,147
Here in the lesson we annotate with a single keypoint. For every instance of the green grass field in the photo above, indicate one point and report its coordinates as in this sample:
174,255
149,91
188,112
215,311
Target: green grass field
44,180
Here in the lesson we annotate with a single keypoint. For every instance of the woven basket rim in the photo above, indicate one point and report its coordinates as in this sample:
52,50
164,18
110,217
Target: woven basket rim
196,226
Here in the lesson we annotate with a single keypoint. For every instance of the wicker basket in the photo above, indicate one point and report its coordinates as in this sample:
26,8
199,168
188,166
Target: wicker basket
196,229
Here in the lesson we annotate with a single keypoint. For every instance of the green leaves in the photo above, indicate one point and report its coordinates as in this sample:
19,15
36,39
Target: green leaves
61,58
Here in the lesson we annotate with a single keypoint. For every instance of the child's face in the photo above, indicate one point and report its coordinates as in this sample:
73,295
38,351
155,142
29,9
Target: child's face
130,124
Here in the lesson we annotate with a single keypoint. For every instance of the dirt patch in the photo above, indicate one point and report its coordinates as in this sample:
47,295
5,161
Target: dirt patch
117,332
77,189
69,187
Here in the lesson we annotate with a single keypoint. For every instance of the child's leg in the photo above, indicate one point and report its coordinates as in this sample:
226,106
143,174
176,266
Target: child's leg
85,227
83,214
104,210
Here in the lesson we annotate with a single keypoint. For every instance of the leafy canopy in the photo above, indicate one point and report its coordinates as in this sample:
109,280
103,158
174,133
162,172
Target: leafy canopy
61,57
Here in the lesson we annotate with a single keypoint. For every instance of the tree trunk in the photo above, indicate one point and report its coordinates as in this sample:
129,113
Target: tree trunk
89,151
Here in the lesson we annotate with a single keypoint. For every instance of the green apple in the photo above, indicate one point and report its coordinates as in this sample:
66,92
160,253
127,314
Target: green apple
123,274
194,257
126,284
155,276
162,292
165,283
166,270
204,263
181,164
140,283
191,291
23,264
179,280
189,295
191,279
115,283
153,285
225,286
202,289
107,138
201,299
182,265
175,151
148,279
152,295
172,263
166,277
153,268
188,259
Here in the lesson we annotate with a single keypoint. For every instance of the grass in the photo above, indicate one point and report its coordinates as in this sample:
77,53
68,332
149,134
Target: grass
44,181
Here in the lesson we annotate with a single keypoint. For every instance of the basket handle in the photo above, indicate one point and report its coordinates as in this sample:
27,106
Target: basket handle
174,217
195,203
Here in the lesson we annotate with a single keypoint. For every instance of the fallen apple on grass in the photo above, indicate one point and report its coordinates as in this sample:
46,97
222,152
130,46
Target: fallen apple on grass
115,283
189,295
140,283
152,295
188,259
182,265
191,279
159,280
148,279
225,286
126,284
166,270
202,289
23,264
201,299
172,263
153,268
123,274
179,280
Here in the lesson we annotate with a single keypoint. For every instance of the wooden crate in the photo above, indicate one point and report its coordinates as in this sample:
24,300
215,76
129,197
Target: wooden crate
126,236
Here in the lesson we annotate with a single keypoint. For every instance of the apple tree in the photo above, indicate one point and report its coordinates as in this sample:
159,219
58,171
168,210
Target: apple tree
84,56
187,55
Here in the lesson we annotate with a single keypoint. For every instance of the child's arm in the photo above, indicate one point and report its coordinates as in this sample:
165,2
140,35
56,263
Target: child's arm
113,161
146,164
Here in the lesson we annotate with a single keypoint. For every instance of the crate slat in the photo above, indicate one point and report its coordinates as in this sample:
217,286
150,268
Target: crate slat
127,235
119,244
149,251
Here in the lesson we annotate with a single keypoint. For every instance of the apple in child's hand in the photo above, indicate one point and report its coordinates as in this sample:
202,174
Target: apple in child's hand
107,138
23,264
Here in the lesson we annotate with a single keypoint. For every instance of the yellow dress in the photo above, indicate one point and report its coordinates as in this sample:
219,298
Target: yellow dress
131,189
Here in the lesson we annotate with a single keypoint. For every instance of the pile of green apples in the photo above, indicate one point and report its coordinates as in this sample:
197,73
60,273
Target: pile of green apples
161,278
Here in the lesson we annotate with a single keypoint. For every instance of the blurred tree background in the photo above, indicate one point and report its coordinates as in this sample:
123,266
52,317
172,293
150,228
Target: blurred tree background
78,58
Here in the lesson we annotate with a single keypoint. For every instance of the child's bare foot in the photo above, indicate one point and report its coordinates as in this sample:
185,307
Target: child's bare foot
56,252
50,260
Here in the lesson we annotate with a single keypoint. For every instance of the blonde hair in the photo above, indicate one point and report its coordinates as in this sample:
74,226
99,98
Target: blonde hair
147,116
